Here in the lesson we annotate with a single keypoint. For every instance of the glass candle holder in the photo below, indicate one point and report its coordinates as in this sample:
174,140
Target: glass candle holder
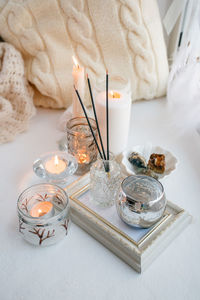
43,211
55,167
105,179
141,201
81,143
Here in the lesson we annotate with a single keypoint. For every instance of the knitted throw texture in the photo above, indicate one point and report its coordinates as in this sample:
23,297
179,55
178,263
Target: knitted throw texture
16,105
123,36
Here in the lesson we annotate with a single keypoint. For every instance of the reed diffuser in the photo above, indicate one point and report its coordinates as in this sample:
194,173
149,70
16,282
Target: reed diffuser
105,175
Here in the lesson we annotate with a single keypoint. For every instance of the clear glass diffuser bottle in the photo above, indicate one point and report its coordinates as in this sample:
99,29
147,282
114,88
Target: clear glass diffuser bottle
105,179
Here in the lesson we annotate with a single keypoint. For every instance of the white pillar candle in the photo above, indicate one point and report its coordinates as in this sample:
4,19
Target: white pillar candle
79,83
119,117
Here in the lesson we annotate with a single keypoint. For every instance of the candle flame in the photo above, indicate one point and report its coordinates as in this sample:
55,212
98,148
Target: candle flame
114,95
75,61
83,158
41,213
56,160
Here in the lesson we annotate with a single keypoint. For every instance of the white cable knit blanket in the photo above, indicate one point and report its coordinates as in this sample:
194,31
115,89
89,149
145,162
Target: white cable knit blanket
16,103
123,36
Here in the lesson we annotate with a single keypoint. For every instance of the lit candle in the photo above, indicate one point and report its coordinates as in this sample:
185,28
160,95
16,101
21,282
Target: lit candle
79,83
42,209
55,165
82,157
119,118
114,95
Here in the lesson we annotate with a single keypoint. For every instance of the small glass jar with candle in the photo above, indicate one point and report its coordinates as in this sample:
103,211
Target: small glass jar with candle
80,142
141,201
105,179
55,167
43,211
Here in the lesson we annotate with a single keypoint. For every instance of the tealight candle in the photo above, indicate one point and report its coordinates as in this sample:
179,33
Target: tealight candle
80,142
82,157
119,118
43,209
79,83
55,165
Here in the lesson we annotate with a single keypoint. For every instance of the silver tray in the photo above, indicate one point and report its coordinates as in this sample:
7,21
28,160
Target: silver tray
137,247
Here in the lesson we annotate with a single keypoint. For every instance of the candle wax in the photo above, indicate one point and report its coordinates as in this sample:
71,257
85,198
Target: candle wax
55,165
119,107
41,209
79,83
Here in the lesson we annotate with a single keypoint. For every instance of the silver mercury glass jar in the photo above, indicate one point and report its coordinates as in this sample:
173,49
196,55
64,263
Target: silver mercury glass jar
141,201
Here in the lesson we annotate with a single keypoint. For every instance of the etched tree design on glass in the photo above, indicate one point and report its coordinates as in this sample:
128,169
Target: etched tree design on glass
57,199
42,198
24,205
21,226
41,234
65,225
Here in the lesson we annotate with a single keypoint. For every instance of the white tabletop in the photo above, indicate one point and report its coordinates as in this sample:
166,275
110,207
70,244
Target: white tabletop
79,267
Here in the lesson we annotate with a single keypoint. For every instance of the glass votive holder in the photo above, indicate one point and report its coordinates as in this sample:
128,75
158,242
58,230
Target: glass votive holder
80,142
141,201
105,179
43,211
55,166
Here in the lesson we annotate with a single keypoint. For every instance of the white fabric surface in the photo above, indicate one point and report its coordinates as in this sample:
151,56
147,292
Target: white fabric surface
16,95
183,90
122,36
80,267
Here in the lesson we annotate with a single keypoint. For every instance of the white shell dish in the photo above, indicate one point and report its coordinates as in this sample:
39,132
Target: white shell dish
146,151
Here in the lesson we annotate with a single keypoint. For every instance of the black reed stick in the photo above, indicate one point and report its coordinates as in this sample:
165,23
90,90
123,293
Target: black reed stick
107,116
85,113
95,115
